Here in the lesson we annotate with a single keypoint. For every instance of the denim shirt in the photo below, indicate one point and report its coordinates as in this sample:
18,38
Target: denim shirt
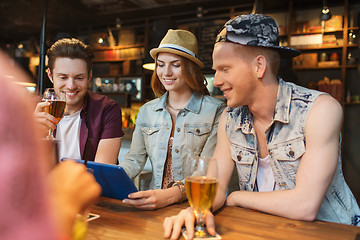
285,139
195,134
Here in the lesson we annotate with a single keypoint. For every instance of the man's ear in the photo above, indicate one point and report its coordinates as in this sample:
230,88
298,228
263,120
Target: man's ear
260,66
49,75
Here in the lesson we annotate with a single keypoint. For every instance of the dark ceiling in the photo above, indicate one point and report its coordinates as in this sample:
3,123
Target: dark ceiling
22,19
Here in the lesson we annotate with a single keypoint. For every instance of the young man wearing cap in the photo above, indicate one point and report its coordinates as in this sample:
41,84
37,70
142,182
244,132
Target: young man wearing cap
91,128
277,134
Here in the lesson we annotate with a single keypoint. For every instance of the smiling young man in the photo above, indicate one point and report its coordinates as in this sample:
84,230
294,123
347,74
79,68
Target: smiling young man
92,124
283,139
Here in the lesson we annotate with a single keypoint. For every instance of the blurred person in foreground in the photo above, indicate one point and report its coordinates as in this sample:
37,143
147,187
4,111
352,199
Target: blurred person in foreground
180,123
283,139
91,128
36,202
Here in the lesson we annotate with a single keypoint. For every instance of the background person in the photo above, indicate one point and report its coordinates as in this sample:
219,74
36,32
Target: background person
181,123
34,203
283,139
92,124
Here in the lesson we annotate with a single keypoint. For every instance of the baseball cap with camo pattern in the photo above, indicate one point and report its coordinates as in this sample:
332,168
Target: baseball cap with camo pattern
255,30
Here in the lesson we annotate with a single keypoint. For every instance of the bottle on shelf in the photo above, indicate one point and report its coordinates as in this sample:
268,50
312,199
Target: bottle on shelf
348,96
352,37
351,60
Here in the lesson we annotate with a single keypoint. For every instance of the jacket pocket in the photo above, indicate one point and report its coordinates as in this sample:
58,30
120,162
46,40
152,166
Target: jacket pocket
198,131
288,155
289,150
244,159
196,137
149,130
150,137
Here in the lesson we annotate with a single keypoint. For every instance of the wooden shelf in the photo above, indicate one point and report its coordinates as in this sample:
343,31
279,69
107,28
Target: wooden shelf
317,32
353,28
317,47
352,103
351,66
317,67
117,59
119,53
323,67
119,47
117,75
113,93
340,46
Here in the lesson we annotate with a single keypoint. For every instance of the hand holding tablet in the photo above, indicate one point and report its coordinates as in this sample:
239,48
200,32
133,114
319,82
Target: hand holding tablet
114,181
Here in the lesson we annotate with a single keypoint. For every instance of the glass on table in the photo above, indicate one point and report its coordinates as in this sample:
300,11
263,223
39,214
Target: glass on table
56,108
80,227
201,180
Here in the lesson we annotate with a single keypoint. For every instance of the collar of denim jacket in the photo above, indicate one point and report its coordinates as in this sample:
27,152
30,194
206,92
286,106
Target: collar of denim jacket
283,100
244,118
194,104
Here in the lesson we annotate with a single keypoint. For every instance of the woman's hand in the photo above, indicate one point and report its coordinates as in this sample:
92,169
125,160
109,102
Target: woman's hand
153,199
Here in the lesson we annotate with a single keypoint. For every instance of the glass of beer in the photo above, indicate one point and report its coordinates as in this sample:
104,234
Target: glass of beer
56,108
80,227
201,179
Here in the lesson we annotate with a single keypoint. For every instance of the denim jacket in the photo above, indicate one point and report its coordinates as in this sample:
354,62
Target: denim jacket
285,139
195,134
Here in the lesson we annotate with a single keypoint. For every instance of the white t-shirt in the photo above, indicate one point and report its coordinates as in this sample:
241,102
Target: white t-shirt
265,180
68,132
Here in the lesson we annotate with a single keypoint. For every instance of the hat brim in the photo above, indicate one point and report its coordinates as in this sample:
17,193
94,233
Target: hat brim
286,52
155,51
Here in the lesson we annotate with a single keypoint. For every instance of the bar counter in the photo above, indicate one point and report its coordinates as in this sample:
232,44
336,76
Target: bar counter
119,221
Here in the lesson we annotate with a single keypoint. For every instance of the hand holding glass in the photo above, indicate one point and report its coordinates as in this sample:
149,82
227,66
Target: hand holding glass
56,108
201,184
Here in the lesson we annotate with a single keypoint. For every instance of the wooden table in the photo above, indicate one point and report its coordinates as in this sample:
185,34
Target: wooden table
118,221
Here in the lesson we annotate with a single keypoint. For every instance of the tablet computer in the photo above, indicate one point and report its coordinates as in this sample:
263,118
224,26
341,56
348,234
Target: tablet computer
114,181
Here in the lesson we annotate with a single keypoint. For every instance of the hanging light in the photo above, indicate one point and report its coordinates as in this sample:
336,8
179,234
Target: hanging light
325,12
199,12
149,66
100,40
118,23
149,63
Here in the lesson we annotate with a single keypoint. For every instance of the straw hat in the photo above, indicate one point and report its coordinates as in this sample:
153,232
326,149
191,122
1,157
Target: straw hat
179,42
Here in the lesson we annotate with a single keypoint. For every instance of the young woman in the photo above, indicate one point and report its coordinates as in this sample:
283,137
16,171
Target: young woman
179,124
